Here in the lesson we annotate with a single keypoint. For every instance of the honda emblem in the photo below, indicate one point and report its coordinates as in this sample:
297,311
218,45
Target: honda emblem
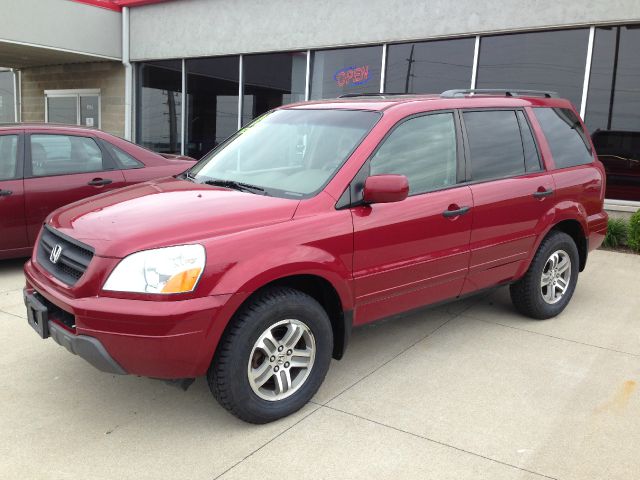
55,254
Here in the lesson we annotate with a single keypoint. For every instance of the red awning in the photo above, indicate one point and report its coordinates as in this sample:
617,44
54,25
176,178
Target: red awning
118,4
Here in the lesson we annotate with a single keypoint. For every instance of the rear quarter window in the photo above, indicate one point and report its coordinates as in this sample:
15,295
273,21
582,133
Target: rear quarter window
122,157
566,138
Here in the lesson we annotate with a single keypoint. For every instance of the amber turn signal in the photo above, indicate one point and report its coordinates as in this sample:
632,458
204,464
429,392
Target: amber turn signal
182,282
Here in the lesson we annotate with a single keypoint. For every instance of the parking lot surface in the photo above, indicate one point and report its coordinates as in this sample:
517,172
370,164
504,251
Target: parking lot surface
469,390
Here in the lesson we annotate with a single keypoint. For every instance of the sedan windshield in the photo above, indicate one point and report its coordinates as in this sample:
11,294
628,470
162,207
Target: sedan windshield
287,153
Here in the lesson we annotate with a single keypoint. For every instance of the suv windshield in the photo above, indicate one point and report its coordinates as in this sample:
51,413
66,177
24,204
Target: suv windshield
287,153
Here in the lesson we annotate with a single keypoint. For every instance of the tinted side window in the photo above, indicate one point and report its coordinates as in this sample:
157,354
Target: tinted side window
64,154
423,149
531,157
495,144
567,140
8,157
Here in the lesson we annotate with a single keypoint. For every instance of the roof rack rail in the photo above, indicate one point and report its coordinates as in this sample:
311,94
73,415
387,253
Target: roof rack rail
381,95
352,95
498,91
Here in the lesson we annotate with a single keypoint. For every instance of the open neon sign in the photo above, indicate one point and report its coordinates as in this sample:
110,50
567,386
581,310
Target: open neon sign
352,76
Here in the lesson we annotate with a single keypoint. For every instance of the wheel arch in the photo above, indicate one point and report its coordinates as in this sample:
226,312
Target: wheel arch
324,292
572,226
576,231
326,288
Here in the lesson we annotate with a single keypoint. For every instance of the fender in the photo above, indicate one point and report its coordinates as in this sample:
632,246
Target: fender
249,275
559,212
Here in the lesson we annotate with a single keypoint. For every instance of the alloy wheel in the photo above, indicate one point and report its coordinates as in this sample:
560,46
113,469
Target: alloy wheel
281,360
556,276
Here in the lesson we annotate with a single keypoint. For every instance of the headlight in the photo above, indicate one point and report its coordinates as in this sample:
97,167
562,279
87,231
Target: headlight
162,270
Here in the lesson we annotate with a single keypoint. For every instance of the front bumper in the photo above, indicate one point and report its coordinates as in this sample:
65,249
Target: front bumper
89,348
86,347
168,339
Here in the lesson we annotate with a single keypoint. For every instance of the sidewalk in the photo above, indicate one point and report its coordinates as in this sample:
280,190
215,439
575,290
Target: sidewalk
470,390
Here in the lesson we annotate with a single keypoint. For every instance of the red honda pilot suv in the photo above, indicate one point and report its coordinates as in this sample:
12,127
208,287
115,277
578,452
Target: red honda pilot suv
253,266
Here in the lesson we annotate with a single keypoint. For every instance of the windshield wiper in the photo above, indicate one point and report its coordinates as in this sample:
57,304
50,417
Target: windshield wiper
243,187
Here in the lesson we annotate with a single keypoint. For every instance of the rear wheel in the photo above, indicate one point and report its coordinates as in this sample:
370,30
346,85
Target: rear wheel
547,287
274,356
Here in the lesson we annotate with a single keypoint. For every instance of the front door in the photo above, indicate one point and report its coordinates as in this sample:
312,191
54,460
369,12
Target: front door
62,169
414,252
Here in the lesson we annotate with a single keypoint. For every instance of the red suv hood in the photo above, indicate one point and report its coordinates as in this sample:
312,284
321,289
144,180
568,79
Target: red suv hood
165,212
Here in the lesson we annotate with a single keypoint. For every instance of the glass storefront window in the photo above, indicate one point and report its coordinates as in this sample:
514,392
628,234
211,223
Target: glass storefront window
544,60
212,102
552,60
429,67
345,70
271,80
613,106
159,120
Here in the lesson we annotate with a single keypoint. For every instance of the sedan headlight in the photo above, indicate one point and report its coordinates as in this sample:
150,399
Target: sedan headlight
162,270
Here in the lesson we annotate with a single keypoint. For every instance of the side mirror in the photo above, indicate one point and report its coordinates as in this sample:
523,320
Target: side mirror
385,188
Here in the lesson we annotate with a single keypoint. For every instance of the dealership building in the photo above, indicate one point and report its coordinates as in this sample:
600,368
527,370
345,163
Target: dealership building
180,76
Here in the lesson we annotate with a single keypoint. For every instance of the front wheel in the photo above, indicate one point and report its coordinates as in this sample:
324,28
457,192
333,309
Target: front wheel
547,287
274,356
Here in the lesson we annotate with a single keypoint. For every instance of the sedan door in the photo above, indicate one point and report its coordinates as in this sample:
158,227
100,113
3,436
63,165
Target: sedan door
13,241
61,169
414,252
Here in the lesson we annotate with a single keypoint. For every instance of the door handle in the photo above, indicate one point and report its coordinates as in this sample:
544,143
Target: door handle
456,212
98,182
5,193
543,193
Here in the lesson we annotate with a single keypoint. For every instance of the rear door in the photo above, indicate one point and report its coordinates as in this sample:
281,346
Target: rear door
577,182
12,218
511,191
134,170
61,169
414,252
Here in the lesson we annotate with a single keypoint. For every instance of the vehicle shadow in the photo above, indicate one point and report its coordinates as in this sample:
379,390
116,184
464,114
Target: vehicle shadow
12,264
11,276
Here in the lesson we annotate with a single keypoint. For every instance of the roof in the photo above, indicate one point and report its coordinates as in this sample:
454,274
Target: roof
45,126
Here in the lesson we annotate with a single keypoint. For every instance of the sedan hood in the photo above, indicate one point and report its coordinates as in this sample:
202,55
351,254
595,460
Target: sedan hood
165,212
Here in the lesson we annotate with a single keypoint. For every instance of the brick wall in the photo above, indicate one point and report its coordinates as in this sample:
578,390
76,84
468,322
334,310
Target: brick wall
107,76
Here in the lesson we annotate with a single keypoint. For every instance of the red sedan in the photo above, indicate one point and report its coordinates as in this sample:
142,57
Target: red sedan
44,166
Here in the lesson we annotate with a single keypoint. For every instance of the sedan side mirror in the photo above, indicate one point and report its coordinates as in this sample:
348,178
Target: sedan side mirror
385,188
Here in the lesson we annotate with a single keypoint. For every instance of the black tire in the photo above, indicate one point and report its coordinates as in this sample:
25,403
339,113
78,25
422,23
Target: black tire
526,293
227,375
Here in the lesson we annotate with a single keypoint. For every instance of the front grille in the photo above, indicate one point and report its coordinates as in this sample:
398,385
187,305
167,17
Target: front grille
73,260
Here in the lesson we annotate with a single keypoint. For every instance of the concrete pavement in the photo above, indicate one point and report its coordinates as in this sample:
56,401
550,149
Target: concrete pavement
470,390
